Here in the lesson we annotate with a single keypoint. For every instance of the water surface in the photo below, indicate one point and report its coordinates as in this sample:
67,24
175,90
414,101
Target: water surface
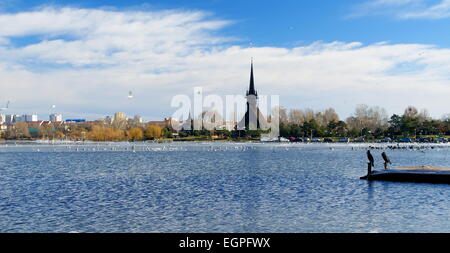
206,187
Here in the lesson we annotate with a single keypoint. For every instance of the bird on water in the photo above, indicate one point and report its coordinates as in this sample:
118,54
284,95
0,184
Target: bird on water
386,160
370,157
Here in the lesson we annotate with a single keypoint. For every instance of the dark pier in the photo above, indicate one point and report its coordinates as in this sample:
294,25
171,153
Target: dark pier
419,174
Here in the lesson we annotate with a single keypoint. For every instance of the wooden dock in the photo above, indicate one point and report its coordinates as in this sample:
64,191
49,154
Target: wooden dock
422,174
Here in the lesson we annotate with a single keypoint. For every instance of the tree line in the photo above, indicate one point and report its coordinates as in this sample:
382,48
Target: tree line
85,131
367,122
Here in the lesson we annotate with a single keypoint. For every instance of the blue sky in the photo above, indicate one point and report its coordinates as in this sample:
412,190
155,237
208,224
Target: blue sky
285,23
82,55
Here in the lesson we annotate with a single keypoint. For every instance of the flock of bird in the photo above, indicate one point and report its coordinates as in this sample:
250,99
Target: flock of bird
403,147
11,147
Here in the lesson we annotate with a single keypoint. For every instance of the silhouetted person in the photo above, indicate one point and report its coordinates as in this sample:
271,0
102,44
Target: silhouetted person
370,157
386,160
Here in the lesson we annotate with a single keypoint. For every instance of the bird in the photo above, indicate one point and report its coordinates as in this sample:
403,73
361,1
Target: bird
5,108
386,160
370,157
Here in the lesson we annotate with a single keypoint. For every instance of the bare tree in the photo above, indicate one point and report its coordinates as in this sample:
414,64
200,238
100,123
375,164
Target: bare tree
330,115
283,115
445,117
371,118
411,112
309,114
424,115
296,116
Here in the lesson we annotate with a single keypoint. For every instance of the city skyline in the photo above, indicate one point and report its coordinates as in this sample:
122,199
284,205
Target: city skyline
86,57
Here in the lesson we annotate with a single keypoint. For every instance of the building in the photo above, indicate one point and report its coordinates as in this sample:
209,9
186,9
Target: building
227,125
2,118
11,118
253,118
75,120
56,117
167,122
38,123
24,118
119,120
119,117
137,119
19,118
108,120
30,117
188,124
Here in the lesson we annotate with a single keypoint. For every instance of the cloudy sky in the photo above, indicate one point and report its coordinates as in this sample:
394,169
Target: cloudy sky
85,56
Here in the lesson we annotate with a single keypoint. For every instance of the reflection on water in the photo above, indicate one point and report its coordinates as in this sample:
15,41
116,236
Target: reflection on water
214,187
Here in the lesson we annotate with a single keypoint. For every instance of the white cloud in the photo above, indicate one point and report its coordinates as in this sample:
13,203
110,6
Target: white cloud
392,2
403,9
88,36
86,60
436,11
384,7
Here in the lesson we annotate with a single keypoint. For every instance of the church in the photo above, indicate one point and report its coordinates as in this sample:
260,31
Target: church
253,118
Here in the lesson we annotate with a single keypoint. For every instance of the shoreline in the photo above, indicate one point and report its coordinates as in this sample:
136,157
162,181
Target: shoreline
370,145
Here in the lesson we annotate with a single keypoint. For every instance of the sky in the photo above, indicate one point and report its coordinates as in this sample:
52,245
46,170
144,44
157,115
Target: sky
85,56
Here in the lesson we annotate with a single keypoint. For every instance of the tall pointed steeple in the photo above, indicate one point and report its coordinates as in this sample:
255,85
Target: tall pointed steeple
251,90
253,119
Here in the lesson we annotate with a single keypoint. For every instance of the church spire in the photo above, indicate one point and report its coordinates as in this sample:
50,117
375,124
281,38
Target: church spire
252,90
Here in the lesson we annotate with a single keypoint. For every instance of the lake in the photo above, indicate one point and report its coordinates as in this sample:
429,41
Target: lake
215,187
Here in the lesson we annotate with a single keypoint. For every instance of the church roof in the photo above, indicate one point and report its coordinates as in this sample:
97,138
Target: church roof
251,90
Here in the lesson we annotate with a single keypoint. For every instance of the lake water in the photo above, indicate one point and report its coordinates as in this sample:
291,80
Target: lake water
214,187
